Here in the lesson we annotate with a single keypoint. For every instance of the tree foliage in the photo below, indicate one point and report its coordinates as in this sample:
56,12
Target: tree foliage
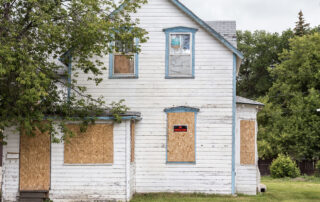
289,123
261,50
302,28
34,34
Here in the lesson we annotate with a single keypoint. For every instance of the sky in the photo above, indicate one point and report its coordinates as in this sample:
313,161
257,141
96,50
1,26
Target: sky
269,15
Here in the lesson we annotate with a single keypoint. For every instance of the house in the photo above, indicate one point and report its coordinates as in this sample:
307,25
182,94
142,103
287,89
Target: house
186,132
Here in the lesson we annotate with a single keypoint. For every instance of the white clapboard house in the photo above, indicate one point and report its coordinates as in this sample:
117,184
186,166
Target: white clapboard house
186,132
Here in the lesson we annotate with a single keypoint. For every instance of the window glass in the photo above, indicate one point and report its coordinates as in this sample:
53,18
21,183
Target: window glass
180,55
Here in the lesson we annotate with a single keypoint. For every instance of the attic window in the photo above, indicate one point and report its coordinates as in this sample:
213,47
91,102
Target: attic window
123,62
180,49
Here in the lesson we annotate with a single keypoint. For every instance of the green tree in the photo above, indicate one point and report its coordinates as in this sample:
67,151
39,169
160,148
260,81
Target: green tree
302,28
261,50
289,123
34,34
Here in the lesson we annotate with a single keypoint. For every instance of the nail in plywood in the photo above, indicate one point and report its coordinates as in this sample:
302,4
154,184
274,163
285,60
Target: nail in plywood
247,142
95,146
181,145
132,137
35,161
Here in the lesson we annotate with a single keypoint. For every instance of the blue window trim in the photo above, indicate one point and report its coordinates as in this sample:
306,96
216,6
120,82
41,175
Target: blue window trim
182,109
180,29
136,66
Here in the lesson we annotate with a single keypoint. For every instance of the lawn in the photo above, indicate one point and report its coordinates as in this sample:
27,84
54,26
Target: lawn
299,189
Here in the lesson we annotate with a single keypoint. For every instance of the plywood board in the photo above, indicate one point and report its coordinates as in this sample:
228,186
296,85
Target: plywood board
34,161
123,64
132,138
181,145
95,146
247,142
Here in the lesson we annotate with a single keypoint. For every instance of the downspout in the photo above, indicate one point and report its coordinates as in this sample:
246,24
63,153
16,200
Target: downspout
233,171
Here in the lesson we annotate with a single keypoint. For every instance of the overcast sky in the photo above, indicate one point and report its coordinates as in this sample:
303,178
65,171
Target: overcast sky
270,15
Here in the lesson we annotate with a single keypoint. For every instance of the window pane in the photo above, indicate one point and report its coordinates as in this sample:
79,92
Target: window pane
180,44
180,65
123,64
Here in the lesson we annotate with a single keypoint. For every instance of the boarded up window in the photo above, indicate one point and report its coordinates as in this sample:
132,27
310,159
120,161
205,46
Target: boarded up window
123,64
181,137
247,142
132,137
124,58
35,161
91,147
180,55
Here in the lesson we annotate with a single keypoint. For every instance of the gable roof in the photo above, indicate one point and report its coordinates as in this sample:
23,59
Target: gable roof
207,27
202,23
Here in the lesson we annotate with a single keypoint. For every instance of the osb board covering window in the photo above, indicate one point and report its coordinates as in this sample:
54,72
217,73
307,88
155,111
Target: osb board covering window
94,146
181,145
132,137
247,142
123,64
34,161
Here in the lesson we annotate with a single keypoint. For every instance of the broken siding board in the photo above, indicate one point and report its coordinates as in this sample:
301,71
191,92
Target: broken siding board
181,145
247,142
94,146
35,161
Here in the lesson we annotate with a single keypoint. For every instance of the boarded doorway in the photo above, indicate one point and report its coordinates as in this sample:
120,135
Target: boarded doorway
35,162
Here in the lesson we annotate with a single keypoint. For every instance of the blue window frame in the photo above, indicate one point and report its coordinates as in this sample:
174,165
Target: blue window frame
182,109
131,75
180,52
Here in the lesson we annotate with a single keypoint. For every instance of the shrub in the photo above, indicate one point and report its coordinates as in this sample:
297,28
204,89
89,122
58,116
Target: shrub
283,166
318,169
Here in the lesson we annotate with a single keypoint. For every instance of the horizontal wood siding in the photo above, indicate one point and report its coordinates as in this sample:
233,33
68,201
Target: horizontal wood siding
211,91
247,176
91,182
10,166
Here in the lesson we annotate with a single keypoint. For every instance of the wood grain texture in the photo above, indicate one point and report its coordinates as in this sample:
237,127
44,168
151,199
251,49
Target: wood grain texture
91,147
181,145
35,161
132,137
247,142
123,64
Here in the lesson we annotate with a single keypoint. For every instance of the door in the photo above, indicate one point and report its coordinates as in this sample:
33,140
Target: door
35,162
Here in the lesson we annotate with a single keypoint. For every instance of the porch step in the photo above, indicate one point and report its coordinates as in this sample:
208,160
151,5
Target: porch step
33,196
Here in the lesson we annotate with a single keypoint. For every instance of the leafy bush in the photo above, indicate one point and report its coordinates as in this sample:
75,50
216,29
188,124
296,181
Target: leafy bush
318,169
283,166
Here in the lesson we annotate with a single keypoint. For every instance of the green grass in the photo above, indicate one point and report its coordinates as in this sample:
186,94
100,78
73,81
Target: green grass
300,189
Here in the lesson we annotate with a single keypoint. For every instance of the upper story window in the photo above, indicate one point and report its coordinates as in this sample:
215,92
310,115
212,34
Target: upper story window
180,50
123,63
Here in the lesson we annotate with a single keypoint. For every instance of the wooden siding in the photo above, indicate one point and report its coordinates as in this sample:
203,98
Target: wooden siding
10,166
247,176
211,91
93,182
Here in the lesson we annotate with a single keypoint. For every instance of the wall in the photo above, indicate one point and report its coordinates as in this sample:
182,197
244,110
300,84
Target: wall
211,91
247,176
77,182
92,182
10,166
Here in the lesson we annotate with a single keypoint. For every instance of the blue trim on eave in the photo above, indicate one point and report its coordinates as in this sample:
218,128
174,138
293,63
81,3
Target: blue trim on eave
180,29
181,109
233,171
208,28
